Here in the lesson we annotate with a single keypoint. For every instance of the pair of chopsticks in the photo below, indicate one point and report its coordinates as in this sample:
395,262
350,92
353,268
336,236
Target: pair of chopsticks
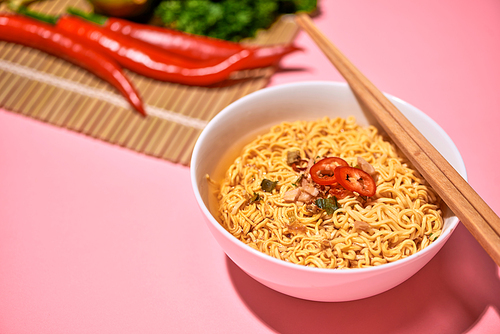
466,204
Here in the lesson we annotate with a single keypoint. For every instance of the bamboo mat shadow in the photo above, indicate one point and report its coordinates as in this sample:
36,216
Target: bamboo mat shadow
48,89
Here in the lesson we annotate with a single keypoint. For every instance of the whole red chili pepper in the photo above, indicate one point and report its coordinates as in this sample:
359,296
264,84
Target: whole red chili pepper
187,45
144,59
44,37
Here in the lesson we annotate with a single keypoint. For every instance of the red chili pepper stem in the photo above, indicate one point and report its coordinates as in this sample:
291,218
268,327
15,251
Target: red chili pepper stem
50,19
92,17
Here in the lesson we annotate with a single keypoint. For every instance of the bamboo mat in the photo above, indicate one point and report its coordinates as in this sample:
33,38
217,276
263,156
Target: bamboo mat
48,89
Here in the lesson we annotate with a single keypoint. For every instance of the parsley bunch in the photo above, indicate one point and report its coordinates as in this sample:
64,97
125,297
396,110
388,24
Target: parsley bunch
231,20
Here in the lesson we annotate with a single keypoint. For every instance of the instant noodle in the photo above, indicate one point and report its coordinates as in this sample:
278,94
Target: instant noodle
289,195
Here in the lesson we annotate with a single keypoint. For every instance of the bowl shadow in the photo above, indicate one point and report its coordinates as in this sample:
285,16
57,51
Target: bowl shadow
449,295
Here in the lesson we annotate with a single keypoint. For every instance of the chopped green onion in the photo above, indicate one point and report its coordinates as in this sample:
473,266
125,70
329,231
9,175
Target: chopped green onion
330,204
255,198
268,185
297,182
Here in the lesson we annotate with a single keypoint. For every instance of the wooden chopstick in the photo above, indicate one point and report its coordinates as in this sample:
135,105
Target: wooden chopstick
466,204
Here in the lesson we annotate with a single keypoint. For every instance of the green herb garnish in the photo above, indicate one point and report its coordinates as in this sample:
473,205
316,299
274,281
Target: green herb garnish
231,20
430,235
330,204
297,182
268,185
254,198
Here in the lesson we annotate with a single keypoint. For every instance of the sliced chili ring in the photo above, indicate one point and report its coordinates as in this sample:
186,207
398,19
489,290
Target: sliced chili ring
322,172
355,179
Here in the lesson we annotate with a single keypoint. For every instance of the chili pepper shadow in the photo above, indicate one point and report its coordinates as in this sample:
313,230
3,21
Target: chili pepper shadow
292,69
249,75
449,295
233,82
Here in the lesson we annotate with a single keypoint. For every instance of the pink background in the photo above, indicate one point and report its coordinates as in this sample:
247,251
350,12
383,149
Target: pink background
95,238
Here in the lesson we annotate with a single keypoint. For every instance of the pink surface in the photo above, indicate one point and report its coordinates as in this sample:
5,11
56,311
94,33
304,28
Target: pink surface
95,238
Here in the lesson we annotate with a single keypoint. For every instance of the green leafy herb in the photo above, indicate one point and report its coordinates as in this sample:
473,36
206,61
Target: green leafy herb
297,182
330,204
254,198
430,235
268,185
231,20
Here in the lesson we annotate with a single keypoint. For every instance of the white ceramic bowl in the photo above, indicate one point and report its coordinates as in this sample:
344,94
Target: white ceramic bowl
220,142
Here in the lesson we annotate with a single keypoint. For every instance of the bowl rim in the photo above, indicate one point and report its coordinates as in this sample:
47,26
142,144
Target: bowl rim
325,271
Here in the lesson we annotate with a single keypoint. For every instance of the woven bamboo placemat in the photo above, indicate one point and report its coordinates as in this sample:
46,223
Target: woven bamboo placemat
46,88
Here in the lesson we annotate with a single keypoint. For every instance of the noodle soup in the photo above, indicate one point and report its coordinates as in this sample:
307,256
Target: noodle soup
274,198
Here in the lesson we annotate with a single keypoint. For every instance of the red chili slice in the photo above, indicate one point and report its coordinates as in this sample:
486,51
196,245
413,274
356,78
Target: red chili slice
355,179
322,172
